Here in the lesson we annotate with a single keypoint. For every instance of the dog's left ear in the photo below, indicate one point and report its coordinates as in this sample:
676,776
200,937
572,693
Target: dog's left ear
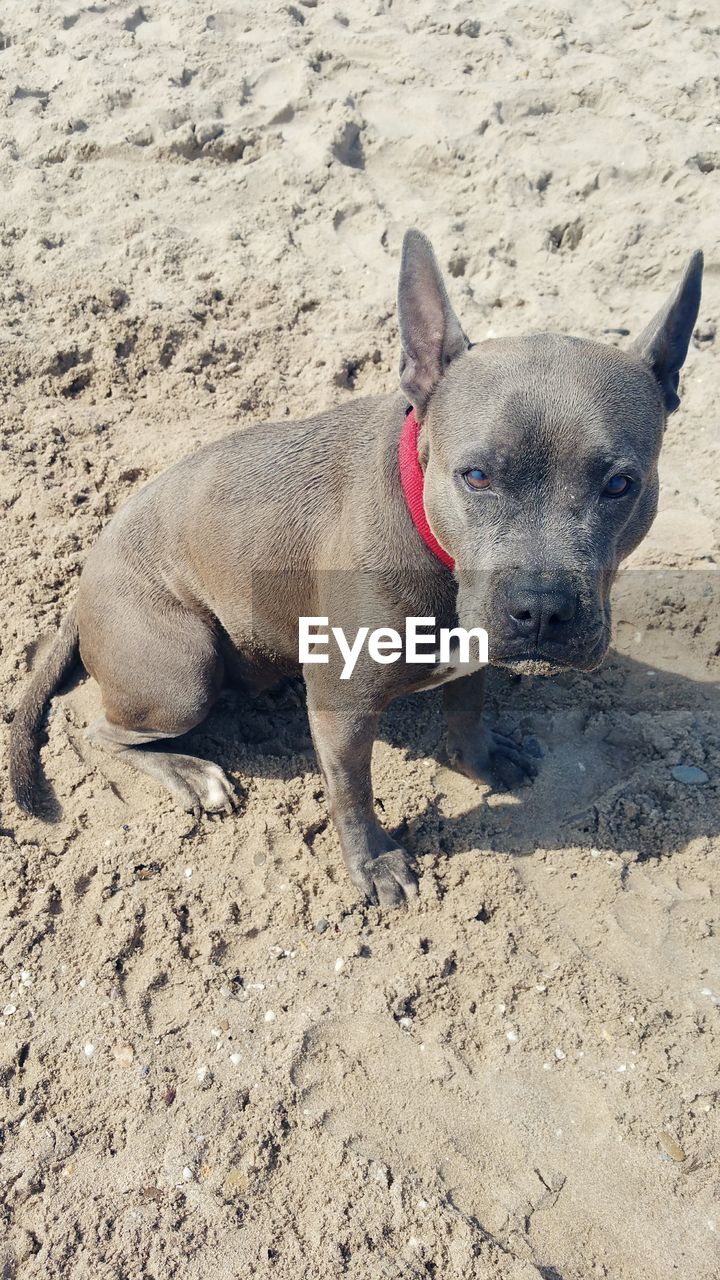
664,343
430,333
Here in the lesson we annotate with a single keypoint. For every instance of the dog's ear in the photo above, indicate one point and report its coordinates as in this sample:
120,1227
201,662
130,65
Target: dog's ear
430,333
664,343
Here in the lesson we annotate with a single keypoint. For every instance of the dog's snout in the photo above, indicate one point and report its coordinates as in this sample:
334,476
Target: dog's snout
541,611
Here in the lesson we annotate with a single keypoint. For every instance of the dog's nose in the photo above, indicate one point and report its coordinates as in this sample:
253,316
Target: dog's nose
541,611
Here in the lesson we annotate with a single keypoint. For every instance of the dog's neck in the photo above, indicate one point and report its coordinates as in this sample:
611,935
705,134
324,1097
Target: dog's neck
413,483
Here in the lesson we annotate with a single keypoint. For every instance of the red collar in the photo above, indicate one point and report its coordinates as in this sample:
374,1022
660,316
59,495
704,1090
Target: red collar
413,483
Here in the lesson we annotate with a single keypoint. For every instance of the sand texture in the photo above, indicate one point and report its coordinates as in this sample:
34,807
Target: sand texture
215,1061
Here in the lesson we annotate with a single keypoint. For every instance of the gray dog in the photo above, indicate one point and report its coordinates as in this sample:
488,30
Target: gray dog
536,461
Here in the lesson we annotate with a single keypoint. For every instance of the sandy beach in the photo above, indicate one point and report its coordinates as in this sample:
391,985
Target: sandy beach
214,1059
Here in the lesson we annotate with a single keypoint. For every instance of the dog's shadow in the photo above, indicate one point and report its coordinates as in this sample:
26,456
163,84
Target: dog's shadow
631,760
631,752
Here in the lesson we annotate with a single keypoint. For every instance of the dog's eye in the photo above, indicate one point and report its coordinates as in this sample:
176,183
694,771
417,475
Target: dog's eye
476,479
617,486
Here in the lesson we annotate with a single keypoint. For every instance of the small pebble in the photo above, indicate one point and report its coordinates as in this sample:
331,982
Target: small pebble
9,1010
187,1174
511,1035
269,1016
321,925
26,978
690,775
339,964
559,1054
88,1050
235,1059
235,1181
669,1145
122,1053
188,873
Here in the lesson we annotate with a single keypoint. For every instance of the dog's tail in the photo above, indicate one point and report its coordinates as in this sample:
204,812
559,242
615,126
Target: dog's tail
25,729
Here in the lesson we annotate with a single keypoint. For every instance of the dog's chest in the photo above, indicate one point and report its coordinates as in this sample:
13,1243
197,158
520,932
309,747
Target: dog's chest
446,670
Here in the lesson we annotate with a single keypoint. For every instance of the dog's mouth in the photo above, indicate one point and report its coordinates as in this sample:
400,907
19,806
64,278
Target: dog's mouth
553,660
532,665
550,649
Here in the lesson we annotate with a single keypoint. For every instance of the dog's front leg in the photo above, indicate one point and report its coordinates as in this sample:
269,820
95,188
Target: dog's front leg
344,737
474,749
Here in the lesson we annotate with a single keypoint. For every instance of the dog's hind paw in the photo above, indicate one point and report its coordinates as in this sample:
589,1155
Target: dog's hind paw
200,785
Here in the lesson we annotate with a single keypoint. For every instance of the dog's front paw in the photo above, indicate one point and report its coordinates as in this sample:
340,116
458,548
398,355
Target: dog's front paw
388,880
495,759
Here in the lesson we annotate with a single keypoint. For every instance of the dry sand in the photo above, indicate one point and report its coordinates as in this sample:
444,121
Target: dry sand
215,1061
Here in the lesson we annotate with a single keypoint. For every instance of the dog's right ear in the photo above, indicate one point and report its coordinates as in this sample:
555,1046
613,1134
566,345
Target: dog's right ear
430,333
664,343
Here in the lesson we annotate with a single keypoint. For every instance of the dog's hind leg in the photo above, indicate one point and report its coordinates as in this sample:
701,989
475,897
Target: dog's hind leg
160,671
199,785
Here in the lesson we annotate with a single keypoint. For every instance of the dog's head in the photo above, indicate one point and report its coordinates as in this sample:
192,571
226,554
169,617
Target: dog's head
540,459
